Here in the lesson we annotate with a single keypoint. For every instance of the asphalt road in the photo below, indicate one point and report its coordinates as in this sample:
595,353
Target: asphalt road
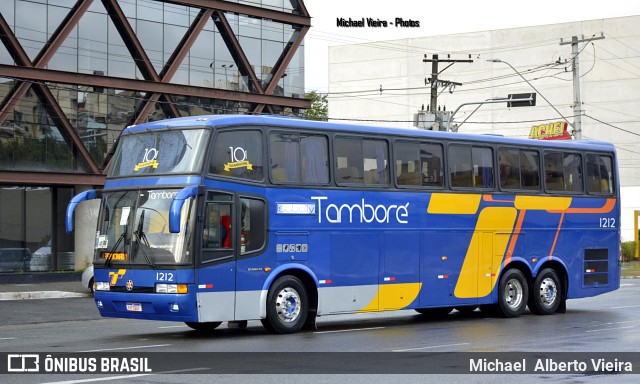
607,323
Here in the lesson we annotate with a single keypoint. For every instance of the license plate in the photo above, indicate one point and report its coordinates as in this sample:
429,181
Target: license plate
134,307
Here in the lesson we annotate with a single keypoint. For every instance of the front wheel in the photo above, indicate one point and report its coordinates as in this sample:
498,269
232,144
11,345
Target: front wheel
546,294
203,327
513,293
287,305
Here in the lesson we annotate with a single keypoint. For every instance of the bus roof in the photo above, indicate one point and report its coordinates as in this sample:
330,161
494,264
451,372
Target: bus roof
287,122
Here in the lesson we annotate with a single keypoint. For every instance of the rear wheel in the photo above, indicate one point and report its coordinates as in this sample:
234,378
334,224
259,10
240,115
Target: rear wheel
434,312
203,327
287,305
513,293
546,294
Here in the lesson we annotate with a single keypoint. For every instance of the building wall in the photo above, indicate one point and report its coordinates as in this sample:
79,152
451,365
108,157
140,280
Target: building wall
610,79
60,119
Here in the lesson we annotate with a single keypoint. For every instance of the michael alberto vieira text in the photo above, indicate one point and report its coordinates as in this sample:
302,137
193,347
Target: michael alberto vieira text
550,365
375,23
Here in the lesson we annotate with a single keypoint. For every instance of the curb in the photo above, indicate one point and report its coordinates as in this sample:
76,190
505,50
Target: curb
7,296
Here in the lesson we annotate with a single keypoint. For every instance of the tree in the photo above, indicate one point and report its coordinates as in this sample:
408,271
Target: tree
319,106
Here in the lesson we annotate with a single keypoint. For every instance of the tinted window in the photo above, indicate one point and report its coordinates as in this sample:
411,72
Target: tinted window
238,153
599,174
471,167
419,164
253,222
299,158
563,171
519,169
361,161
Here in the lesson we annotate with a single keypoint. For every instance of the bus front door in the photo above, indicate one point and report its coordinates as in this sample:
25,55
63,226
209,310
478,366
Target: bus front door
216,275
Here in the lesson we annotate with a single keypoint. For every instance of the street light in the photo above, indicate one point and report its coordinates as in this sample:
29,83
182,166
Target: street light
226,79
541,95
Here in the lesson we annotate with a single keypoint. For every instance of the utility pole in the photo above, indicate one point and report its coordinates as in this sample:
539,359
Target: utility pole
577,104
434,82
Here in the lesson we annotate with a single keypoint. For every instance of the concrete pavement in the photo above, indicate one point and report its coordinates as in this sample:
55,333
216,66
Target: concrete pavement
41,286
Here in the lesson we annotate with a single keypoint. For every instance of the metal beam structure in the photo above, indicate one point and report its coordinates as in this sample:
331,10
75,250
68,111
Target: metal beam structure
33,75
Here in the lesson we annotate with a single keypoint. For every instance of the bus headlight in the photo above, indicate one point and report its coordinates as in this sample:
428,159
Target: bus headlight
171,288
101,286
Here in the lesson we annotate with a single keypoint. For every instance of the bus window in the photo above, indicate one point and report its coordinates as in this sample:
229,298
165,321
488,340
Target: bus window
519,169
599,174
299,158
471,167
253,232
375,162
361,161
418,164
238,153
563,172
217,227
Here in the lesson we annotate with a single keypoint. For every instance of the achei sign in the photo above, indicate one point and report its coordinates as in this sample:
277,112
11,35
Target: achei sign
551,131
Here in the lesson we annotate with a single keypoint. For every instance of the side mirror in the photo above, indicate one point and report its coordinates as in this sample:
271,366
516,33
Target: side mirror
77,199
176,206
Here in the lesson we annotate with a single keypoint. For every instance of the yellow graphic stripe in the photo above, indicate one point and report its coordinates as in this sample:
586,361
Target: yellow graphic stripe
481,264
449,203
542,203
393,296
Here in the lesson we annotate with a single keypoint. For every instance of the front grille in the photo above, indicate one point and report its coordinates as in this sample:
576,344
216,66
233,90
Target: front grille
134,290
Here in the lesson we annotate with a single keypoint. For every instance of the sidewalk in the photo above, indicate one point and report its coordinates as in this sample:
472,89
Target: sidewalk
41,286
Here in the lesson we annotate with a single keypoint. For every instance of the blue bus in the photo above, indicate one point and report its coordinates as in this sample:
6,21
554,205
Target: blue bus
214,219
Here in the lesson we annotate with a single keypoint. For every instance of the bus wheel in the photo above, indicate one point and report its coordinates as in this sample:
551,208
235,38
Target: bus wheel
546,294
513,293
287,305
434,312
210,326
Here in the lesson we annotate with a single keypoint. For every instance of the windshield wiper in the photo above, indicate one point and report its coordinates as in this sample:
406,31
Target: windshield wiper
111,253
143,242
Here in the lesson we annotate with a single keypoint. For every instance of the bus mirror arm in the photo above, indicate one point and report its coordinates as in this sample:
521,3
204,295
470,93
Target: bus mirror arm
178,202
77,199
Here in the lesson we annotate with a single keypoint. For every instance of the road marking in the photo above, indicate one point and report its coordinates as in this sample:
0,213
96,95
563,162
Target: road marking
607,329
120,349
350,330
429,347
626,306
7,338
125,377
172,326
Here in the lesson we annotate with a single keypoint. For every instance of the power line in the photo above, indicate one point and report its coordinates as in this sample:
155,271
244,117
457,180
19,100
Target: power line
611,125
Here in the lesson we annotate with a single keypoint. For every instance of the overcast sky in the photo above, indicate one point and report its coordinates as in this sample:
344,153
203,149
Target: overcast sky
436,18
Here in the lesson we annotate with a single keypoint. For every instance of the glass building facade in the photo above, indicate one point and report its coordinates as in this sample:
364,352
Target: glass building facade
73,74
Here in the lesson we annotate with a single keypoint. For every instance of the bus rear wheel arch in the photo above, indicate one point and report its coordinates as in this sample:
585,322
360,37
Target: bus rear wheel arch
287,305
547,292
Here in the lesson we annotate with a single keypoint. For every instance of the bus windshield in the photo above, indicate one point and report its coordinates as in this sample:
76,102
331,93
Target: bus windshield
160,152
133,229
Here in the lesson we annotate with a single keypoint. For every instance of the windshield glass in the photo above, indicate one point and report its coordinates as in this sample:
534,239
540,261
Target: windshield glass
160,152
133,228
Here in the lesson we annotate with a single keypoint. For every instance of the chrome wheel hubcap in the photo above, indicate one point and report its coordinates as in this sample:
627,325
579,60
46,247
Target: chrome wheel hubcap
288,305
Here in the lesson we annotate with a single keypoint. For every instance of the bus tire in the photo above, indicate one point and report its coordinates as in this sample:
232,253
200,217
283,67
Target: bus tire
513,293
287,306
546,293
435,312
203,327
